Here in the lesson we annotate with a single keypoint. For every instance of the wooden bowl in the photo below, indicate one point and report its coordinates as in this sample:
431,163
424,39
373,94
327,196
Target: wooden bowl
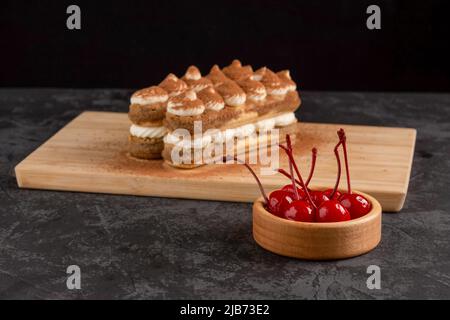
317,241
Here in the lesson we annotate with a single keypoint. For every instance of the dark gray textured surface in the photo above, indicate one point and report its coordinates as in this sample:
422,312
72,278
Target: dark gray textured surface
142,247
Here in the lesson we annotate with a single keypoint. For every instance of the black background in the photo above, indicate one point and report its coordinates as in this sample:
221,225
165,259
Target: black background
136,43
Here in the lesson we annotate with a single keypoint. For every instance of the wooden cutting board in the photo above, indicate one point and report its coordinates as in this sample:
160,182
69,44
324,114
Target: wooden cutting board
89,155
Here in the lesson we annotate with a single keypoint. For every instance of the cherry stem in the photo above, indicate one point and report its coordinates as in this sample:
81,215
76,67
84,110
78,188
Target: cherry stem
338,179
289,145
313,165
289,142
343,140
297,196
311,172
291,158
261,188
287,175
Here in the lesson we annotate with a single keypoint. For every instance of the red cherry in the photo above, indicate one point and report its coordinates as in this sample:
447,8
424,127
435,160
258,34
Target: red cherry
318,197
356,204
299,210
293,166
329,192
289,188
278,201
332,211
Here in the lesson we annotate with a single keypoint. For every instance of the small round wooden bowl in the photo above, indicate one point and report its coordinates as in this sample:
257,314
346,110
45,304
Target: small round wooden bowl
317,241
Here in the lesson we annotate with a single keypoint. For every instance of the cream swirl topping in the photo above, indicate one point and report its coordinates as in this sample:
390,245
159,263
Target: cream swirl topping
232,94
185,105
273,84
258,74
149,96
236,71
217,76
193,73
285,78
255,90
194,79
173,85
211,99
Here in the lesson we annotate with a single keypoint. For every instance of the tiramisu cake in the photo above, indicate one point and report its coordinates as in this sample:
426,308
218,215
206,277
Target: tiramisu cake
230,105
147,112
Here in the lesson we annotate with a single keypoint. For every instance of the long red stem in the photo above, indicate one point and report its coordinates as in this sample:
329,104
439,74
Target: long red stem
297,196
311,170
313,165
287,175
338,160
261,188
343,140
291,158
289,142
289,145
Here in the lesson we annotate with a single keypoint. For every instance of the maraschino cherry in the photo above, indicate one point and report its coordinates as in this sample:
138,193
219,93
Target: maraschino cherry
325,203
329,192
278,201
356,204
289,187
331,210
317,196
298,210
299,203
286,196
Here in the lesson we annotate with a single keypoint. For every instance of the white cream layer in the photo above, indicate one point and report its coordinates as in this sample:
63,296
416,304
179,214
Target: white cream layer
285,119
185,112
147,132
266,124
149,99
282,120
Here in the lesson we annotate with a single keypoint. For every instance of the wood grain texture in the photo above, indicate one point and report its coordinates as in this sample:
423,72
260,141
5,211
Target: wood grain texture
317,241
89,155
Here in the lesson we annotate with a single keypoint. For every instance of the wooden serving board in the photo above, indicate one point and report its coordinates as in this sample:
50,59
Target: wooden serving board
89,155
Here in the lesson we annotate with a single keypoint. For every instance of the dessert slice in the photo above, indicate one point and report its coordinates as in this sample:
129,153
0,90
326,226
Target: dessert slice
236,107
147,111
